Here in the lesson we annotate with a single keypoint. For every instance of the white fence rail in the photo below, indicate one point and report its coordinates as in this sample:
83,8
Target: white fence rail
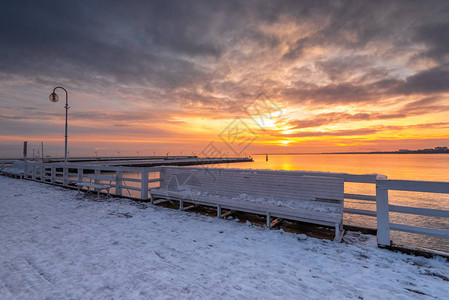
138,187
383,208
68,175
5,164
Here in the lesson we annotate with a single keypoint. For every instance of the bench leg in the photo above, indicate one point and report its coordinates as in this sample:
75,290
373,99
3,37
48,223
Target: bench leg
338,232
226,214
181,204
152,199
268,221
88,191
218,211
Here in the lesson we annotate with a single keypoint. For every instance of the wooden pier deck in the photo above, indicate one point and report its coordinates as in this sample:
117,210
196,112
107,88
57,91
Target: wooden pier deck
171,161
120,158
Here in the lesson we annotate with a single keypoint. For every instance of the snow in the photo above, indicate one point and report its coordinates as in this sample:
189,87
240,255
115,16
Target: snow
190,192
293,204
56,245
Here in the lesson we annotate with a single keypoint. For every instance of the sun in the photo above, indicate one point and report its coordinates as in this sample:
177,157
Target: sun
285,142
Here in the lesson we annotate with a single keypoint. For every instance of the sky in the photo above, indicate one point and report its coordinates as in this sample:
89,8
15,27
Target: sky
224,77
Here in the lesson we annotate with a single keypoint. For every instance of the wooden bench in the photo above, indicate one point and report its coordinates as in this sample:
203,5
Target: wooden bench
96,183
288,195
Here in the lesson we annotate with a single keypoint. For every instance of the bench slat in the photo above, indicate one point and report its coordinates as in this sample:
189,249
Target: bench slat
235,185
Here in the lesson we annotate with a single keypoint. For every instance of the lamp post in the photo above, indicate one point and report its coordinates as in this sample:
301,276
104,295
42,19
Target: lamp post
54,98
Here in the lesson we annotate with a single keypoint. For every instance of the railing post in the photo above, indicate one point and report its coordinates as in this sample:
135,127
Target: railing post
144,185
42,173
162,177
80,175
53,175
383,218
98,173
65,175
33,174
25,170
118,182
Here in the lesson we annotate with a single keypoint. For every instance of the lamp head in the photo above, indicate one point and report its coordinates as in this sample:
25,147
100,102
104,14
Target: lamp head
53,97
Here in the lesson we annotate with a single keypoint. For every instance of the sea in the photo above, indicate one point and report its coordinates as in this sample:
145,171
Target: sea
427,167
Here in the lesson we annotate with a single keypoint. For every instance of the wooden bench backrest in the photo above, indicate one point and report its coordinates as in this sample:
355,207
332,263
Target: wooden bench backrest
271,185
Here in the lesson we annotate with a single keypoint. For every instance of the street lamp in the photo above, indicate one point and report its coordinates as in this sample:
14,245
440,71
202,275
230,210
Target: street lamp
54,98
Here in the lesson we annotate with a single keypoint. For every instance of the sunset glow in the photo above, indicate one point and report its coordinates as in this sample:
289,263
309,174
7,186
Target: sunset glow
297,77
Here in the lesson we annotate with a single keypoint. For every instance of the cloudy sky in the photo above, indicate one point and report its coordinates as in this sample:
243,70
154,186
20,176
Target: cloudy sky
248,76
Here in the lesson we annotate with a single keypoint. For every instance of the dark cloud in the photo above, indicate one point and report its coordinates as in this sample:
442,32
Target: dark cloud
342,68
429,81
342,93
436,38
139,43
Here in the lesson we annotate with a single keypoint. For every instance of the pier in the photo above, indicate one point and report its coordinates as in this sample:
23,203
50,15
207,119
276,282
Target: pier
172,161
135,179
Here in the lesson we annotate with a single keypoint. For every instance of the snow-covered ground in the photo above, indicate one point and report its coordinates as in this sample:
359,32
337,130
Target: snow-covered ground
54,245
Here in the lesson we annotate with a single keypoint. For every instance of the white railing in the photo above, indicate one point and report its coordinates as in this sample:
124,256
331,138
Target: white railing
5,164
139,187
68,175
383,208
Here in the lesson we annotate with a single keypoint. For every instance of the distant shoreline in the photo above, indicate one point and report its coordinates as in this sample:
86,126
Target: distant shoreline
328,153
311,153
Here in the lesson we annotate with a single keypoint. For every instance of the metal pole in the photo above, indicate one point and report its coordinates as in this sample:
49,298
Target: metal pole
66,114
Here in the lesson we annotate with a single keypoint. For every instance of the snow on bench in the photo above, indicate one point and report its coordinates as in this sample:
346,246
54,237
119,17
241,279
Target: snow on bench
311,199
16,170
96,183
